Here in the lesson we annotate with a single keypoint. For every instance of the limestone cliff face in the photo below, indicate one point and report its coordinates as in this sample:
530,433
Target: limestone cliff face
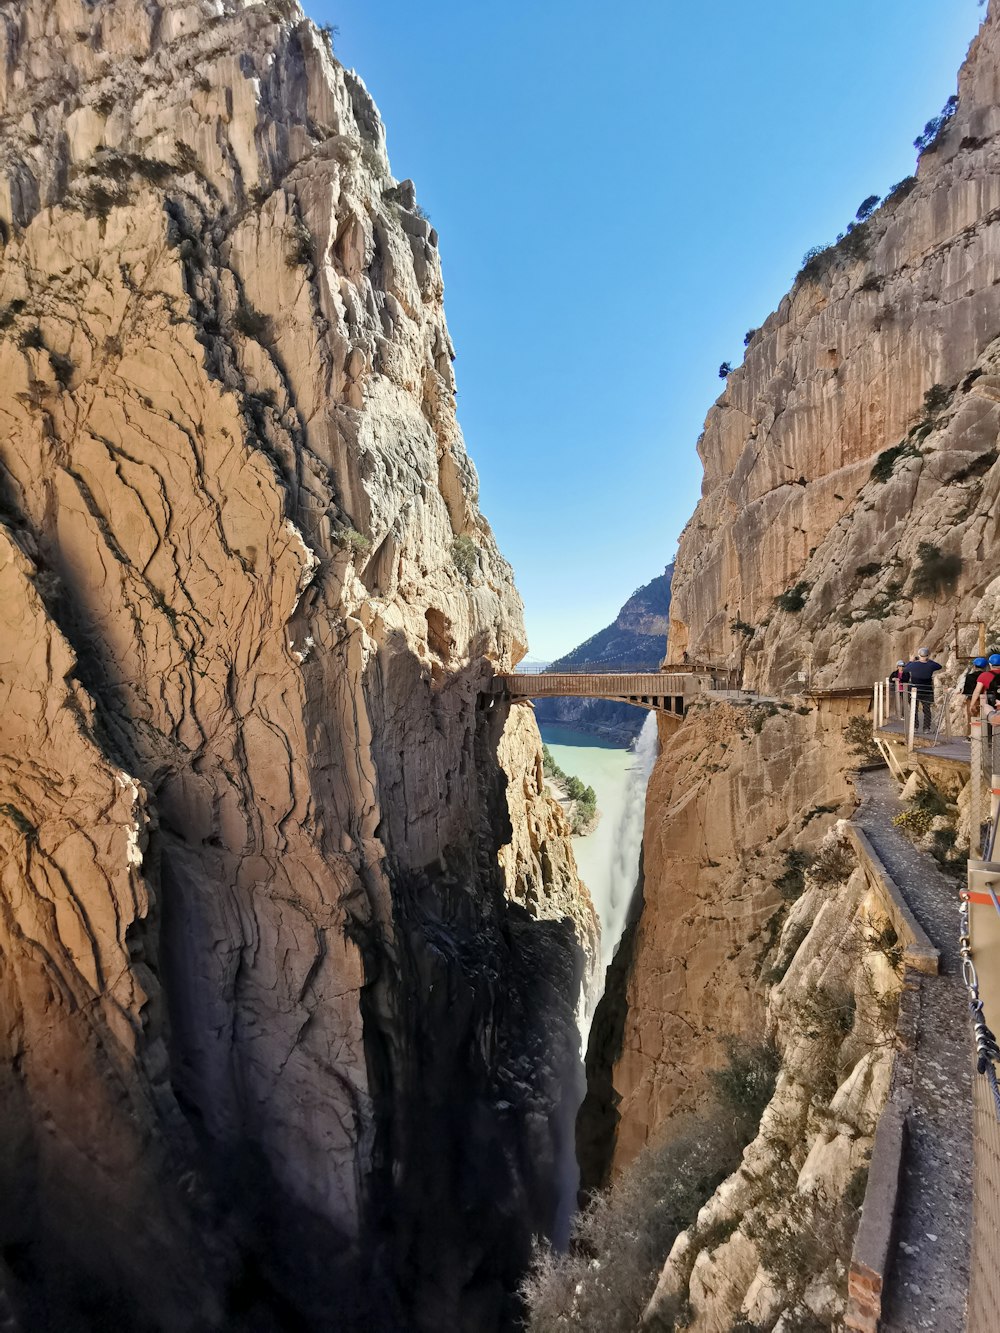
852,463
852,472
734,791
834,379
776,1236
265,979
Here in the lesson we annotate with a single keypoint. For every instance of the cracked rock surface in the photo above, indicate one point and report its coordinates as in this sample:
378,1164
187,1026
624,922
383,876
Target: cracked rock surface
277,1004
863,422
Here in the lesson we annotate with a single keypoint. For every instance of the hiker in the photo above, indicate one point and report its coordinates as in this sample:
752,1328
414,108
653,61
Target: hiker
898,679
979,665
988,687
920,674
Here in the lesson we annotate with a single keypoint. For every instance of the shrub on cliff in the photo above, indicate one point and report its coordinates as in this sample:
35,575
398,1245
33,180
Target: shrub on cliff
883,466
933,130
745,1084
793,599
936,572
349,539
858,735
465,557
620,1240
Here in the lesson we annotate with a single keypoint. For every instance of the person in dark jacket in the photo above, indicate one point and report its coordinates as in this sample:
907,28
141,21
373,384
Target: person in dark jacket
921,675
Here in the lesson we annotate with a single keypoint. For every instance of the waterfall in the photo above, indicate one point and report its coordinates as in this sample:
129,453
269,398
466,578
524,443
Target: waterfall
612,894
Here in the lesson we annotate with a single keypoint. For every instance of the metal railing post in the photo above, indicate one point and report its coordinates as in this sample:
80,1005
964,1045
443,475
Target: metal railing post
876,708
988,850
912,720
975,787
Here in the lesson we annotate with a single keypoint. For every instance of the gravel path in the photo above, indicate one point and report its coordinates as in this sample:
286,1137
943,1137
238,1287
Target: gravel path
929,1280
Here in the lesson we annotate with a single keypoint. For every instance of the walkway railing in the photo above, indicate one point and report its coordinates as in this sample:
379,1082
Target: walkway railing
980,944
894,717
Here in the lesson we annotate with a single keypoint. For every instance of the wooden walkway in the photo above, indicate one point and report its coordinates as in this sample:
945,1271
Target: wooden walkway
667,691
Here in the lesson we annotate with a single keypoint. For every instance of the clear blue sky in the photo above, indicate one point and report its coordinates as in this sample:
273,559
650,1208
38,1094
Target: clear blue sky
621,192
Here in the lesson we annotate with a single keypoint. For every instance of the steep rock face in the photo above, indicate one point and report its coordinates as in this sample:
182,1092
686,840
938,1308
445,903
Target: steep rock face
734,790
836,377
776,1236
852,463
635,640
232,483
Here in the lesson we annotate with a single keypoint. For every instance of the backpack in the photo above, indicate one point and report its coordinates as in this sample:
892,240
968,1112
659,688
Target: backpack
993,689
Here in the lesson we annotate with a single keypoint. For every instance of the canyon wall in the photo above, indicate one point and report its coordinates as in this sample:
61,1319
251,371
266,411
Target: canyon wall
274,1012
852,473
907,306
849,513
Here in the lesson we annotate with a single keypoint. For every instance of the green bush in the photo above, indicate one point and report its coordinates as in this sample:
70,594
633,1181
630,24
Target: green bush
867,208
860,741
739,626
885,463
932,131
583,797
745,1084
300,252
725,370
936,572
793,879
465,556
901,189
936,399
250,322
793,599
349,539
879,607
833,864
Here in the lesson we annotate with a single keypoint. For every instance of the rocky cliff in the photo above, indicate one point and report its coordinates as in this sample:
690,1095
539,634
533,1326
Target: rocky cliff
281,1035
848,514
634,641
848,505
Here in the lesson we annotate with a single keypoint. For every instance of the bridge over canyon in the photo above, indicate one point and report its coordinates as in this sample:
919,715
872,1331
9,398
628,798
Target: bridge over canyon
668,690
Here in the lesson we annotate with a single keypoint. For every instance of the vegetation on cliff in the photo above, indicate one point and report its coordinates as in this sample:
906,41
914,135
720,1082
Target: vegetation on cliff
582,812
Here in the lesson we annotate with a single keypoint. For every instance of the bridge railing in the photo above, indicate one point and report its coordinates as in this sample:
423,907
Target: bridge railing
641,685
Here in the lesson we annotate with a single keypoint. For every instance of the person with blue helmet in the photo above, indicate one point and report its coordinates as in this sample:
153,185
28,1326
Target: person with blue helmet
921,675
988,688
979,665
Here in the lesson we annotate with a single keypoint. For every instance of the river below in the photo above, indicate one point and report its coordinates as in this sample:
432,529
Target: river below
608,858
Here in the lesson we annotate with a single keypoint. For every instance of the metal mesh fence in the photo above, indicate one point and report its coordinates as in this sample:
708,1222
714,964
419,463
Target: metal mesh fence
984,1274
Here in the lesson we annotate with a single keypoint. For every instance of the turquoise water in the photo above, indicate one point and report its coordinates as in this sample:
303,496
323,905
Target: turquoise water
608,858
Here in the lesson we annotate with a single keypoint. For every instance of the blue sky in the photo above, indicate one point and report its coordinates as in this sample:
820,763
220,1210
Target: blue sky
621,192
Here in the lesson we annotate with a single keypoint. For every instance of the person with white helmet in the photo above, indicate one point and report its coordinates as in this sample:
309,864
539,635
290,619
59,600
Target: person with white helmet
920,672
898,680
988,687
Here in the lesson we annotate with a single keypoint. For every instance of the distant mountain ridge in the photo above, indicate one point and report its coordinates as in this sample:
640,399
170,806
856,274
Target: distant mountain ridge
636,640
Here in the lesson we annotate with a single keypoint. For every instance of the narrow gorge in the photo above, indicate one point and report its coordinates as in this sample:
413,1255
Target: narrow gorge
294,948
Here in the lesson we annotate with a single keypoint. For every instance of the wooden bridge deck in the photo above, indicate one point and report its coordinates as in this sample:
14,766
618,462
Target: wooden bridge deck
665,690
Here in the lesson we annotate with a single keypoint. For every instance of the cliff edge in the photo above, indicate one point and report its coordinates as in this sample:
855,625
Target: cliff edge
266,985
